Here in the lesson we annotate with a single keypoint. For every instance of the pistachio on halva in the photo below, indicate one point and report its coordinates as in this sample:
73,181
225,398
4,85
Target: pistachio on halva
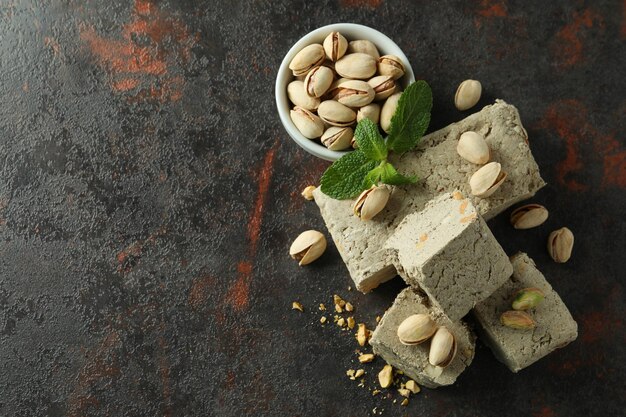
487,180
336,114
390,65
307,247
529,216
308,58
383,85
337,138
317,81
416,329
354,93
473,148
357,66
468,94
442,348
560,244
364,46
310,125
371,202
335,46
527,298
519,320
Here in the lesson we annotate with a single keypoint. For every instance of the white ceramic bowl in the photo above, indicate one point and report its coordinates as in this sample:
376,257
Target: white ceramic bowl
352,32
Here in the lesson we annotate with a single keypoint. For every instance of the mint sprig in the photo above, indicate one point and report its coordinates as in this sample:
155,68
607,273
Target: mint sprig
368,165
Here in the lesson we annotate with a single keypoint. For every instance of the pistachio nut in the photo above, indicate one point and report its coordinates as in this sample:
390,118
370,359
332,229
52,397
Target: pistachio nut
386,113
519,320
442,348
560,244
331,94
308,58
337,138
371,111
416,329
317,81
335,46
371,202
383,85
390,65
473,148
307,193
336,114
529,216
487,180
307,247
356,66
354,93
385,376
298,96
527,298
307,123
468,94
364,46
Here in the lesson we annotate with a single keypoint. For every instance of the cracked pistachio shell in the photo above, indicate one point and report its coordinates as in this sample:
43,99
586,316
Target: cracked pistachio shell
336,114
331,94
365,47
371,111
354,93
307,123
356,66
442,348
468,94
487,180
560,244
527,299
416,329
529,216
307,247
317,81
337,138
298,96
390,65
386,113
371,202
383,85
473,148
308,58
335,46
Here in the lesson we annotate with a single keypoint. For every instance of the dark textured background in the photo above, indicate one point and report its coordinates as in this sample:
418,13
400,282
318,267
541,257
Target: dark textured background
148,197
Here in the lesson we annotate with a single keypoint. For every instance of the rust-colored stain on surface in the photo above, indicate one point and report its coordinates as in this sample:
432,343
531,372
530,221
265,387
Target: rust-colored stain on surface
239,293
463,207
568,47
361,3
127,257
623,28
144,71
544,411
492,8
613,161
200,289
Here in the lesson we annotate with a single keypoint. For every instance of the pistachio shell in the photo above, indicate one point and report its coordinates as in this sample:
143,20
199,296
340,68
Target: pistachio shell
527,298
333,90
308,58
364,46
317,81
307,247
357,66
389,108
298,96
335,45
473,148
354,93
337,138
529,216
307,123
487,180
560,244
371,202
468,94
371,111
336,114
390,65
383,85
416,329
442,348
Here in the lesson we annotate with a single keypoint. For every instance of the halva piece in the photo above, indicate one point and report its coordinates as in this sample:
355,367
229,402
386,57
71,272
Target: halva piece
448,252
440,169
516,348
413,360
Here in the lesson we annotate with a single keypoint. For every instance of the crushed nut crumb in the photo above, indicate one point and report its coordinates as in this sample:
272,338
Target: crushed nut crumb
405,402
359,373
349,307
351,322
297,306
366,357
412,386
341,322
323,319
322,307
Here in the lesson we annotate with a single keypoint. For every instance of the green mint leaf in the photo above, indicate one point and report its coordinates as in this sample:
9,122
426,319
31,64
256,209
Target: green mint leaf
344,178
392,177
411,118
373,177
370,141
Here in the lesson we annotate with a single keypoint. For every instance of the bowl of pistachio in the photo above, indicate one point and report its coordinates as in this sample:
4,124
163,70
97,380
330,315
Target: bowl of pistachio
332,78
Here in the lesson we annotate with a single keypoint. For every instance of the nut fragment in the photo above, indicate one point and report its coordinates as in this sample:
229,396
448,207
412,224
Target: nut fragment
297,306
341,322
487,180
366,357
307,123
442,348
359,373
560,244
338,300
405,402
307,247
404,392
468,94
388,110
412,386
335,45
371,202
337,138
529,216
519,320
364,46
308,58
317,81
527,298
362,334
385,376
473,148
390,65
416,329
351,322
308,192
349,307
357,66
323,319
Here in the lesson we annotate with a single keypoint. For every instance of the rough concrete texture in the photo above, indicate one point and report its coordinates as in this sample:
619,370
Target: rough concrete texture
555,327
447,251
413,360
441,169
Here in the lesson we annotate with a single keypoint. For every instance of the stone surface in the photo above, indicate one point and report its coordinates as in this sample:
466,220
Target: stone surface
555,327
448,252
413,360
441,169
